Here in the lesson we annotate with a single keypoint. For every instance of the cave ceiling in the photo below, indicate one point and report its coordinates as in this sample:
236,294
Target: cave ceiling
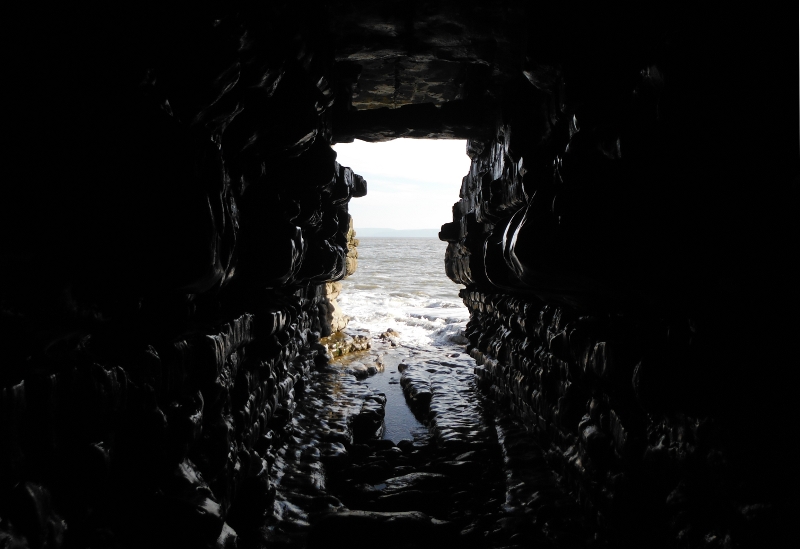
422,52
414,56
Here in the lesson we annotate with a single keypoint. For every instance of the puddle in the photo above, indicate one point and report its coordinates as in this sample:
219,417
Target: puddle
400,421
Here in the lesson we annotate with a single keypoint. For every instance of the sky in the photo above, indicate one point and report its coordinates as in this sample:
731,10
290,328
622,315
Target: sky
411,183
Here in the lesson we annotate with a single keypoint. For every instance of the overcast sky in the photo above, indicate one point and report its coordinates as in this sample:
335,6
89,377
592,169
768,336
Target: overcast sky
411,183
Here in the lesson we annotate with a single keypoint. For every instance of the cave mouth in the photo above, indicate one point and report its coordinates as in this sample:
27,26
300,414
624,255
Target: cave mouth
401,282
413,183
400,292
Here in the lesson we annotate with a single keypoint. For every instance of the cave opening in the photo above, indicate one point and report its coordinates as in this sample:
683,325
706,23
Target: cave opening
412,183
412,186
400,289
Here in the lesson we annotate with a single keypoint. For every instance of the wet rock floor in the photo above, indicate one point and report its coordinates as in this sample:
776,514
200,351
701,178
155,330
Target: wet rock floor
396,447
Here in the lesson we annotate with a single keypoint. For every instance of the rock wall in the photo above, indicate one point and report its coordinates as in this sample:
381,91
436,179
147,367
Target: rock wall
606,246
167,270
334,339
629,417
173,214
336,320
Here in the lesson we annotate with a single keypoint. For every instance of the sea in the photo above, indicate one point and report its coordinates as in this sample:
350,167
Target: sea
400,284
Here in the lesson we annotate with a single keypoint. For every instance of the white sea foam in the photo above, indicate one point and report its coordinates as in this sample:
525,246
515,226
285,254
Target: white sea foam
444,305
401,284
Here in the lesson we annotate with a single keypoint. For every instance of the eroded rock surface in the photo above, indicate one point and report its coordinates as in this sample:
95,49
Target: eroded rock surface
174,222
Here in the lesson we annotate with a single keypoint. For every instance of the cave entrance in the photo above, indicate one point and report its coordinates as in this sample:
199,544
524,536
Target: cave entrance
400,288
400,279
412,183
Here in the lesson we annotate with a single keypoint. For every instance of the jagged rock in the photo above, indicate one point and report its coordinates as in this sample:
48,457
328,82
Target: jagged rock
336,319
342,343
368,423
31,517
399,529
352,247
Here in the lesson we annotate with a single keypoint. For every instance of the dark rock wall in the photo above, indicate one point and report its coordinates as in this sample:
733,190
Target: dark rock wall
420,69
626,281
173,213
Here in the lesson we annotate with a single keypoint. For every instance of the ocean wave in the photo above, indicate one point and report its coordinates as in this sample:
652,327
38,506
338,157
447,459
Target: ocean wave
451,333
363,286
413,329
412,296
444,305
427,317
405,295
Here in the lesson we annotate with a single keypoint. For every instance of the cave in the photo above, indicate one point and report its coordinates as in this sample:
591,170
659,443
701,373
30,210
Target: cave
175,223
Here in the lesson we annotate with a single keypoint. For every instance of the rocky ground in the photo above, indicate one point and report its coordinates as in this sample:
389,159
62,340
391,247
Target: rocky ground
465,472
